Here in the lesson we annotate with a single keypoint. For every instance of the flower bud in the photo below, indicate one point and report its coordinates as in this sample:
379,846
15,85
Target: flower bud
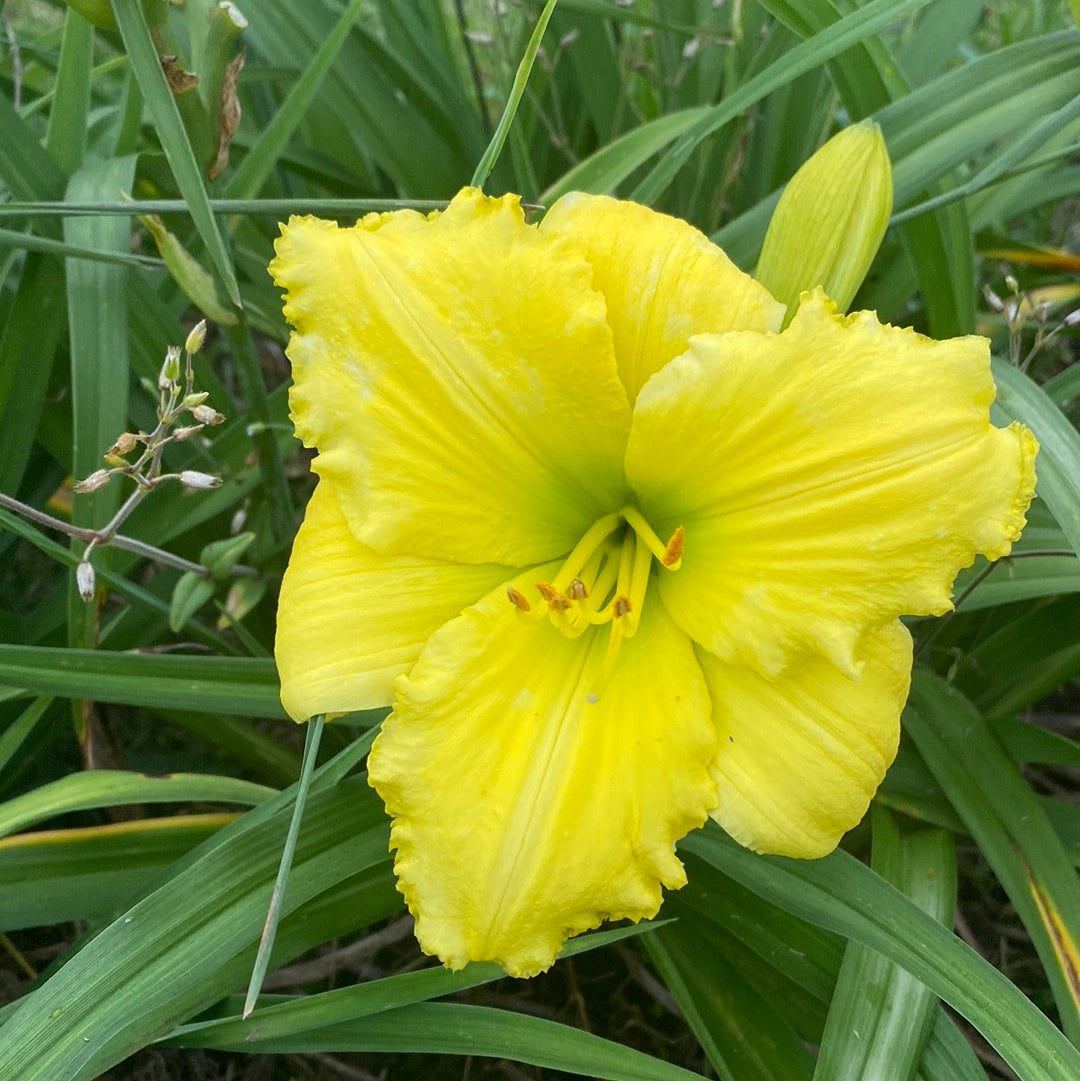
98,479
170,370
85,580
192,478
192,400
830,220
207,414
180,434
196,338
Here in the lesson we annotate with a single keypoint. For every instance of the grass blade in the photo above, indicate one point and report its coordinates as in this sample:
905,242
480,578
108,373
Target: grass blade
517,91
174,139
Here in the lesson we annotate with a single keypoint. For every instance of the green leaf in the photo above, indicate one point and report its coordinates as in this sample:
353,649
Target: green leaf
263,157
440,1028
112,788
840,894
174,138
1004,816
54,876
190,939
243,687
310,1014
1058,464
881,1016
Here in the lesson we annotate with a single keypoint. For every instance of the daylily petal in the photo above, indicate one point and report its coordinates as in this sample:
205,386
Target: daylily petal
524,812
350,620
801,755
664,281
456,374
829,478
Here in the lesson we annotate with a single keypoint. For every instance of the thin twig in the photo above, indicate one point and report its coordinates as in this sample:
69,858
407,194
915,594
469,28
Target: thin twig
116,540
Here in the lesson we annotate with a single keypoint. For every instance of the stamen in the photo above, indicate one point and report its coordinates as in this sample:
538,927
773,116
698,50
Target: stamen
639,584
578,591
547,591
620,606
669,554
518,600
674,550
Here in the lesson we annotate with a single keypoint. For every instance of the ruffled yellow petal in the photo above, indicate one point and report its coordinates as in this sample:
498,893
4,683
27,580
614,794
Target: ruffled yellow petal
663,280
524,812
456,374
350,620
801,755
829,478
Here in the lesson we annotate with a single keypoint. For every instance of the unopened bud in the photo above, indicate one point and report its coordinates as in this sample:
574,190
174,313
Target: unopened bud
192,400
196,338
1012,283
993,299
85,580
1073,318
207,414
170,370
830,220
180,434
98,479
192,478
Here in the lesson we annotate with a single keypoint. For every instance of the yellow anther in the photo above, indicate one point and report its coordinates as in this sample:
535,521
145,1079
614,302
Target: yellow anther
620,607
578,591
518,600
547,591
673,552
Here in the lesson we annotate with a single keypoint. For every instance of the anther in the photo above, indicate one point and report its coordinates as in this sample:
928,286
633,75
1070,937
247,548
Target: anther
518,600
578,590
547,591
674,550
620,606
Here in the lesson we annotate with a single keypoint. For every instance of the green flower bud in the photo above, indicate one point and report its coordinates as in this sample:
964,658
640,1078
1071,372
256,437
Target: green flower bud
830,220
196,338
170,369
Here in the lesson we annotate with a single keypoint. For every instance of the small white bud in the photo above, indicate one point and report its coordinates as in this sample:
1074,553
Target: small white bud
180,434
196,338
85,580
993,299
192,478
1012,283
1073,318
207,414
170,370
98,479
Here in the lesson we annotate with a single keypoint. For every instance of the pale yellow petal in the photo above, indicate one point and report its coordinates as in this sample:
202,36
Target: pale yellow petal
829,478
524,812
801,755
350,620
456,374
664,281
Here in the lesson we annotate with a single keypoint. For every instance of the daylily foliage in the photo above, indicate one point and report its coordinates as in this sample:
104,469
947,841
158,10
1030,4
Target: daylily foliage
620,552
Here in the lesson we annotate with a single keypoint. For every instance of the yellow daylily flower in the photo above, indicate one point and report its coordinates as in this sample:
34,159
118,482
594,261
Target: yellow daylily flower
620,552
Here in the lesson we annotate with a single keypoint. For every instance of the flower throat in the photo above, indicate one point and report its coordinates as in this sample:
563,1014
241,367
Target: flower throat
604,579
